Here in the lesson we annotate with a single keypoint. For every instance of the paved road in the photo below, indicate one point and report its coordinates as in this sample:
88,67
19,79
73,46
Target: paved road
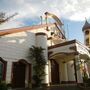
60,88
55,88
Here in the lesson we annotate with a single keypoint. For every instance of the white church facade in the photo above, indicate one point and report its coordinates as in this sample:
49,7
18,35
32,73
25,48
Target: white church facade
61,55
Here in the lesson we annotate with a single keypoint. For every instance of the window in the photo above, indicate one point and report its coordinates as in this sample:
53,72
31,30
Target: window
87,41
86,32
1,70
3,66
52,33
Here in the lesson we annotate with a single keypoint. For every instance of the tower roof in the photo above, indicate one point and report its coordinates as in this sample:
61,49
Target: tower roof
86,25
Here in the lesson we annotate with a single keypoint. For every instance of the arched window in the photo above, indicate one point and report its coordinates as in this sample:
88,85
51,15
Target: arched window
3,66
86,32
87,41
1,70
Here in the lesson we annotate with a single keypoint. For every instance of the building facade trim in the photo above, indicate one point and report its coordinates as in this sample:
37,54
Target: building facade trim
62,44
16,30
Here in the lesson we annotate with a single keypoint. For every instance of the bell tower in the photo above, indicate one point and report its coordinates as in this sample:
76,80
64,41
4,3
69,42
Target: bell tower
86,30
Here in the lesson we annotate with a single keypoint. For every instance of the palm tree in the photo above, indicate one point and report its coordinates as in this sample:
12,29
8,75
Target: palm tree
38,60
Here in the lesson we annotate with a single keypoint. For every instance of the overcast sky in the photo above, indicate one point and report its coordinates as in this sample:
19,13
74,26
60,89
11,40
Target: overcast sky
71,12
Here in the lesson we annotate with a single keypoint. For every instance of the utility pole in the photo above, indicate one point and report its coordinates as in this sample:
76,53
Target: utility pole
67,32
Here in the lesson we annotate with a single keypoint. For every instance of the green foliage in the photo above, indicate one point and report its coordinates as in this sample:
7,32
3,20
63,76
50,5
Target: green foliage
3,85
85,76
88,81
37,55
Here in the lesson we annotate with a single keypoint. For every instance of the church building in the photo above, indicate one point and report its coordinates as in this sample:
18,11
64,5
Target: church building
61,54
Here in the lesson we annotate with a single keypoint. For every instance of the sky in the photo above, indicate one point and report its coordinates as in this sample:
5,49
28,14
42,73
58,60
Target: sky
71,12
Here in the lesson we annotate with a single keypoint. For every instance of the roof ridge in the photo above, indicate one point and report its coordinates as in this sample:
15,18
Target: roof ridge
15,30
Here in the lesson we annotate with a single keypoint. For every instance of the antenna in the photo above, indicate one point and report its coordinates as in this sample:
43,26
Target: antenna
67,32
46,18
85,19
41,19
63,29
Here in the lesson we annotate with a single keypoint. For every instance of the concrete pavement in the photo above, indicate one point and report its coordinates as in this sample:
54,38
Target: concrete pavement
59,87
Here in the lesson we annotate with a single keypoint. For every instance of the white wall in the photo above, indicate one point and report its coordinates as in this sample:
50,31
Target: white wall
16,46
64,48
71,71
8,72
63,71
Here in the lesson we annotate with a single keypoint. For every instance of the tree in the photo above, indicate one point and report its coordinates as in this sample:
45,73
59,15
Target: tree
38,60
82,61
4,18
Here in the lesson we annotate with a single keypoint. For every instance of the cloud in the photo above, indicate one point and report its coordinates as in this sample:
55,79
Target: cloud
11,24
75,10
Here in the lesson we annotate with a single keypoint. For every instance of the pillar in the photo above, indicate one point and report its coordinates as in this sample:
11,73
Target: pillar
79,73
41,41
63,72
71,72
9,72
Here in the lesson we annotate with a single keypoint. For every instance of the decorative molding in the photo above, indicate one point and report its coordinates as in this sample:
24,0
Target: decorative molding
64,53
73,48
62,44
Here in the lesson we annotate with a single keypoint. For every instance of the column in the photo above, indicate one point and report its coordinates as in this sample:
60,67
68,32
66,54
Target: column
63,72
79,73
9,73
70,67
41,41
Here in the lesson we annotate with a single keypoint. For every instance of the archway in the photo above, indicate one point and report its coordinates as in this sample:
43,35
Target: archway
19,73
54,72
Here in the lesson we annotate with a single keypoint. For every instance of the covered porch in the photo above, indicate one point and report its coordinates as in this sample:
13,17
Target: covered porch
63,58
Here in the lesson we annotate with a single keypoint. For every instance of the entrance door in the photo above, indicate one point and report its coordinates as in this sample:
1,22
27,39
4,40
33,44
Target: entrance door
54,72
18,79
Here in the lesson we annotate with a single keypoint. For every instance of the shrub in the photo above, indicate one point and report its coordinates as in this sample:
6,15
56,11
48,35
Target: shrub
3,85
39,62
